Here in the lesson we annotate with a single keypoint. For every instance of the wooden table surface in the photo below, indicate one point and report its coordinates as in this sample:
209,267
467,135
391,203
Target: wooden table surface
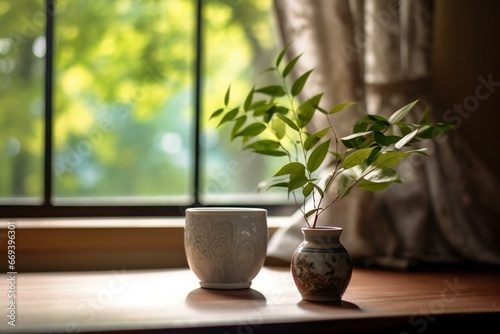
171,301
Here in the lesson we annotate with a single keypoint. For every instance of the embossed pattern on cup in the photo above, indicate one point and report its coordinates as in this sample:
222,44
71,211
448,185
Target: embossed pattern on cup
226,247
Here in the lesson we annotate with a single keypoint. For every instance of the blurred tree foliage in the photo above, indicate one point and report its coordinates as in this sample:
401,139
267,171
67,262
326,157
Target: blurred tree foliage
124,94
21,99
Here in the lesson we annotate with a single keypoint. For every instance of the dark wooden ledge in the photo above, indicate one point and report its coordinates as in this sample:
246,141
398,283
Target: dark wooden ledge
171,301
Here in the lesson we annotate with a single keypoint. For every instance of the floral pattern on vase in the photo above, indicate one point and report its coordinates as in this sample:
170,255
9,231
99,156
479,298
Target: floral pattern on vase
321,266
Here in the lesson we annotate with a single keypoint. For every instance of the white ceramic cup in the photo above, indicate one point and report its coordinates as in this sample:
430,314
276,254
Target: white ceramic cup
226,247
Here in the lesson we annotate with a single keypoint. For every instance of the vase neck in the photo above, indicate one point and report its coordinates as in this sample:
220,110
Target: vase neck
322,234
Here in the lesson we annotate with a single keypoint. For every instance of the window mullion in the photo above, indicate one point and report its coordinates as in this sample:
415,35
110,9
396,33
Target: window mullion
198,93
49,38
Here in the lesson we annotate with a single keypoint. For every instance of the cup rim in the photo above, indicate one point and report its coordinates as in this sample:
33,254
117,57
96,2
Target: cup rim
224,210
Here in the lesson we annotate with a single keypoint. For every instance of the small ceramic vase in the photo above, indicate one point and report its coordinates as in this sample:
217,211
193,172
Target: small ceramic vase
321,266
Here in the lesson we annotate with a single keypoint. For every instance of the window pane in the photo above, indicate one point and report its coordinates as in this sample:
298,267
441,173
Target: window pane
240,42
22,51
123,101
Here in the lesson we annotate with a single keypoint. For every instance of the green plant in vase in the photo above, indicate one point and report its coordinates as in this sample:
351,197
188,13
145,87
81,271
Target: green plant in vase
272,121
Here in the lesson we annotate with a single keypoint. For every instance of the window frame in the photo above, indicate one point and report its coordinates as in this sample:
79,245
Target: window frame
47,209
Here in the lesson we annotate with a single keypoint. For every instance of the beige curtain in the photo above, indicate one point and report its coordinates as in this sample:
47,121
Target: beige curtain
377,52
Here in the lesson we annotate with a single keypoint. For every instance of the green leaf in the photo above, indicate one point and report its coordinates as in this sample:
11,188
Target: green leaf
319,190
295,168
344,183
290,66
362,124
272,182
268,114
357,157
383,140
379,179
229,116
252,130
258,104
288,122
282,54
323,111
391,159
372,158
380,126
406,139
266,147
279,185
299,84
281,110
355,172
272,153
269,69
313,139
305,112
272,90
226,96
311,212
296,181
264,144
401,113
434,130
425,117
318,156
373,186
340,107
278,127
382,175
262,108
248,100
404,128
238,123
355,139
377,118
217,113
356,135
380,138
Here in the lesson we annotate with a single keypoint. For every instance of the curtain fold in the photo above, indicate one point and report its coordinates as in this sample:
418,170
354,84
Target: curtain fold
377,53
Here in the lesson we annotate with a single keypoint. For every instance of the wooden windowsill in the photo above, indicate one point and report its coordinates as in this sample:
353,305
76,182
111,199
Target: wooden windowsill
76,244
171,301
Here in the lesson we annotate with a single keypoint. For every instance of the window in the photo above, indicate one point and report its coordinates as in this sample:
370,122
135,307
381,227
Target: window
105,106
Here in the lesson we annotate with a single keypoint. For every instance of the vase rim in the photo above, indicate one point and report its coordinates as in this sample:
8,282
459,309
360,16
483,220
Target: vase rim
324,228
